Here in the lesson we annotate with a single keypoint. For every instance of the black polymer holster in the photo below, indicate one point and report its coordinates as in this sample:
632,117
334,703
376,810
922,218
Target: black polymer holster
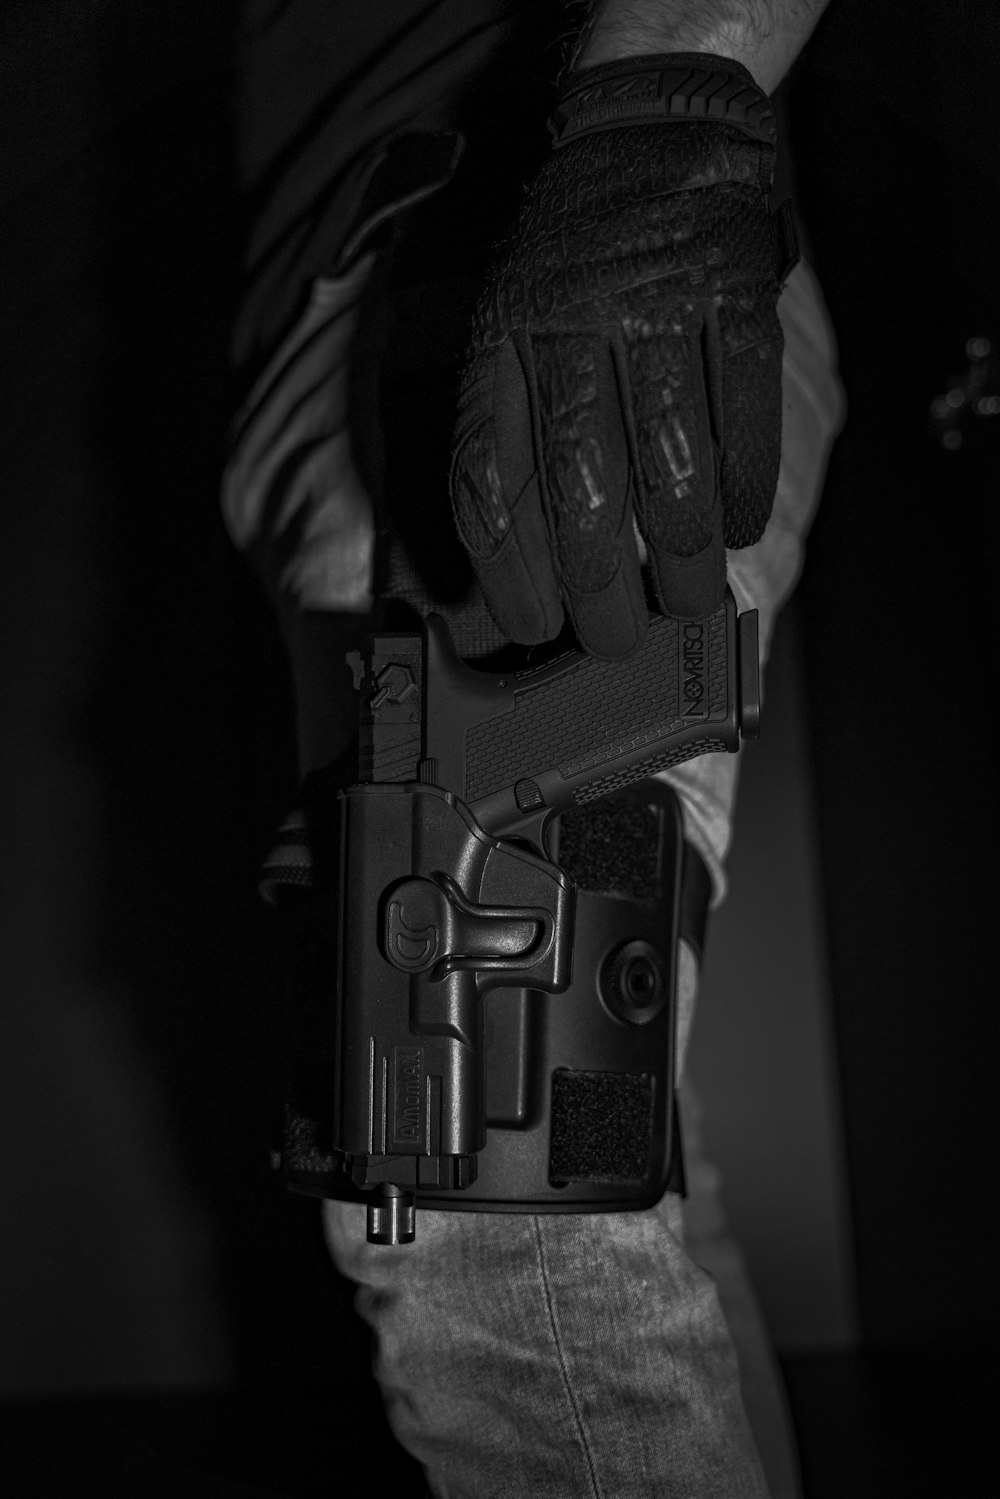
509,903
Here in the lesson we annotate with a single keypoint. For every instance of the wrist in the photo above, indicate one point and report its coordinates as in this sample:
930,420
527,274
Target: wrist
764,36
619,30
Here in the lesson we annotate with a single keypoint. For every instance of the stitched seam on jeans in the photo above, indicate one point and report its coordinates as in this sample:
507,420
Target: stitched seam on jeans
564,1371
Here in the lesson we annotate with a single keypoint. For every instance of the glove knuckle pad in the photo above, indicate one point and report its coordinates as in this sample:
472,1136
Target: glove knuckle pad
481,512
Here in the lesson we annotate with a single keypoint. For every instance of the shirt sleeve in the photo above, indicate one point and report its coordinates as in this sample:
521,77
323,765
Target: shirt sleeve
321,88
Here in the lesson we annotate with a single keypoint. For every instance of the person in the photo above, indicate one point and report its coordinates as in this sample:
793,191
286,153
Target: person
533,1354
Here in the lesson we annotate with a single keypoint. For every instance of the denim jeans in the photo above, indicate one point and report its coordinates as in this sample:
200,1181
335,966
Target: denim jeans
557,1355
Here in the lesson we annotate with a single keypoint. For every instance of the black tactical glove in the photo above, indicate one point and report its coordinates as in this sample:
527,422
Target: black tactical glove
625,367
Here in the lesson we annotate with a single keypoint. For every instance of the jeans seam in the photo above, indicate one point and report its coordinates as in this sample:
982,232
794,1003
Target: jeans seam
578,1421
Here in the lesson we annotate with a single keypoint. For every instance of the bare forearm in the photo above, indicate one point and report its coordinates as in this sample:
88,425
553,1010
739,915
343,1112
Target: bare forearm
765,36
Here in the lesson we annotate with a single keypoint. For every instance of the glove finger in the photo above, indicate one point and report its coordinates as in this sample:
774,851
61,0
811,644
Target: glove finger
497,502
585,448
678,503
750,342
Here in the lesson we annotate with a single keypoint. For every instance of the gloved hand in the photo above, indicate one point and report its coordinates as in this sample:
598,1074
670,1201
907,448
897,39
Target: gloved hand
625,366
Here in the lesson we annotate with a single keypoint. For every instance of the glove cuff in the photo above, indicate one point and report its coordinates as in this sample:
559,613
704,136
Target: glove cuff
664,87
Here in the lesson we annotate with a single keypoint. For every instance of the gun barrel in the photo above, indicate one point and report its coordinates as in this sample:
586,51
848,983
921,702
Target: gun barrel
392,1215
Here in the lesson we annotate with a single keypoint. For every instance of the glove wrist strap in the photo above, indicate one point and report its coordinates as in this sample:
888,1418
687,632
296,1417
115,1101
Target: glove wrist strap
665,87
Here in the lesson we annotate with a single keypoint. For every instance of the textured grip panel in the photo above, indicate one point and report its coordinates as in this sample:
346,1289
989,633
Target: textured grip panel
600,711
617,780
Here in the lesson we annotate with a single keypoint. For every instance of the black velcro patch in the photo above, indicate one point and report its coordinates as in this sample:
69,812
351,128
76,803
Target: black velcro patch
613,847
602,1126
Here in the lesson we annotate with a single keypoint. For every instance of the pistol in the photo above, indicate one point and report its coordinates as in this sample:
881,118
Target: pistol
452,893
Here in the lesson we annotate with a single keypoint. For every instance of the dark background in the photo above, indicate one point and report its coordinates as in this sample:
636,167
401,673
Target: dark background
146,756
